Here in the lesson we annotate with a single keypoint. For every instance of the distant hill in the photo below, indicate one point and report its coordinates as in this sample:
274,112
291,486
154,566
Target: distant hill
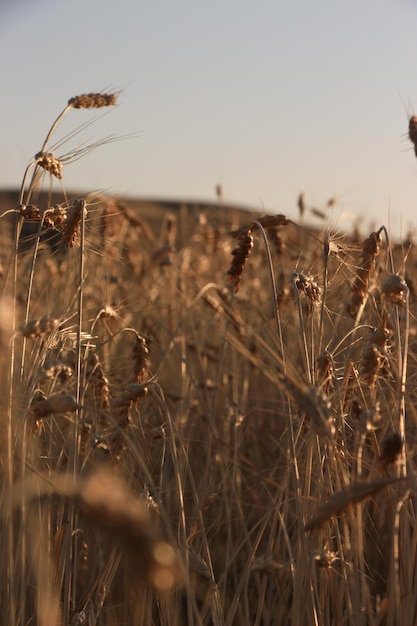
152,211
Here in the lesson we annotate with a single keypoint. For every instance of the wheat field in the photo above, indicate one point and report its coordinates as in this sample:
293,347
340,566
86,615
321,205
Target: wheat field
207,416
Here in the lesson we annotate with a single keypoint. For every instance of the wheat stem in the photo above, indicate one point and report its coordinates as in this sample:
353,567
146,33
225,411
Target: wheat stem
274,298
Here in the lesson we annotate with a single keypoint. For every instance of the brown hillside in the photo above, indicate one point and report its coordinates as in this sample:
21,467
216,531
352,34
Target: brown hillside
150,211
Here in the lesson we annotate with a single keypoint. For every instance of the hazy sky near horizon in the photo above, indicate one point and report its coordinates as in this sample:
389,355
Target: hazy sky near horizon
267,98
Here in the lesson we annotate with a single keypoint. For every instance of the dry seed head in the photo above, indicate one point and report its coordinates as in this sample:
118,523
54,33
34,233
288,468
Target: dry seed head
30,212
370,418
266,221
55,216
98,380
80,618
140,359
266,565
51,164
314,404
324,558
374,354
340,500
372,359
240,254
394,288
132,393
325,371
272,221
122,403
307,285
52,217
379,336
93,100
370,249
57,370
72,224
412,131
38,396
301,204
110,318
57,403
355,301
391,448
39,327
318,213
106,311
171,229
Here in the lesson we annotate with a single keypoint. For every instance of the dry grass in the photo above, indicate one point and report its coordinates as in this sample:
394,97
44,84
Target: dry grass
174,452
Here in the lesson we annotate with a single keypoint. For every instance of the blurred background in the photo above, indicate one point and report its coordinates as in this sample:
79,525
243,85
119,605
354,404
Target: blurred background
266,99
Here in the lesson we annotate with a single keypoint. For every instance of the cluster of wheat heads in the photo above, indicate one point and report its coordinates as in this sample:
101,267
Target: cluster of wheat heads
222,433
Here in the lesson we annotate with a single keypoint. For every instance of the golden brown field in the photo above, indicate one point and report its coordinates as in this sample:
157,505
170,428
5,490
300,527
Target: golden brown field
207,416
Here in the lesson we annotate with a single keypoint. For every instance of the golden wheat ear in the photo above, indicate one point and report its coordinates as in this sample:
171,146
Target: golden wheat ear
93,101
412,131
240,256
339,501
359,291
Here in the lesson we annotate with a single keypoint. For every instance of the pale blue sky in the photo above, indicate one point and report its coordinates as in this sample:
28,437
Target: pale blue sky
269,98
